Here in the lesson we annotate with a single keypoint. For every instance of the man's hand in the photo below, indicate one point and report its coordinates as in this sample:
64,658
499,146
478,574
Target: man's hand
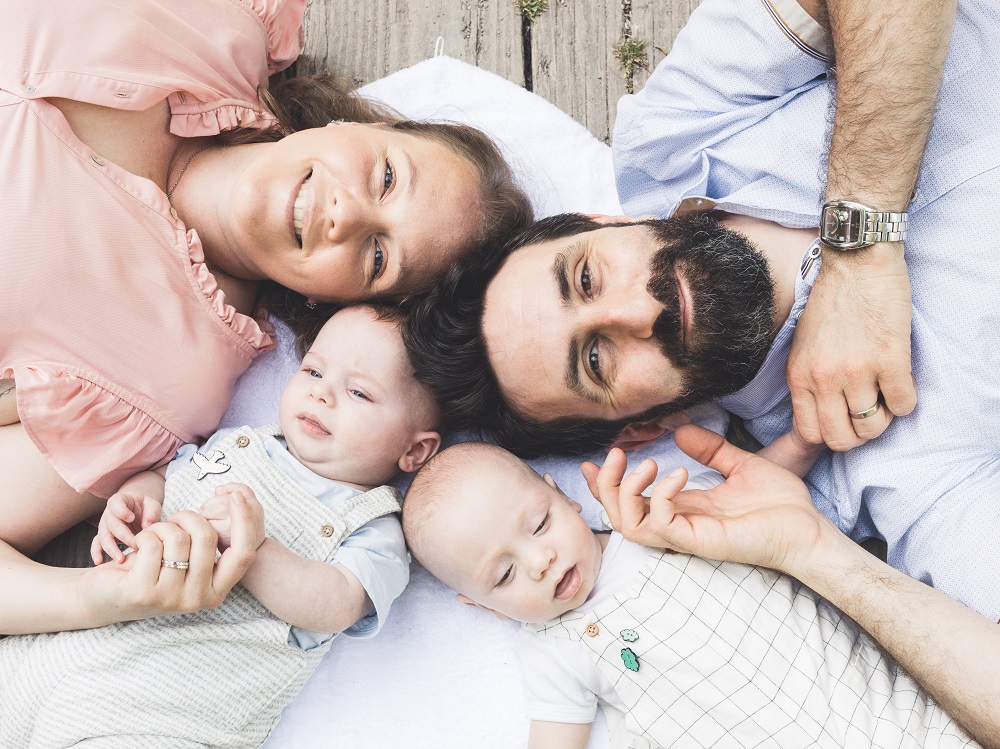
851,348
125,515
761,515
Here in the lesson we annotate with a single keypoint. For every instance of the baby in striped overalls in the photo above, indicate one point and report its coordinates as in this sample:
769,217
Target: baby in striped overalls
331,558
679,651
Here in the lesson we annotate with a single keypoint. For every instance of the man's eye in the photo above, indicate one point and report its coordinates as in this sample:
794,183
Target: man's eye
390,177
585,280
506,576
378,261
594,362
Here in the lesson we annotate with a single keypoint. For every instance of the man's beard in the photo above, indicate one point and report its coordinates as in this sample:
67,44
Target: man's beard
731,301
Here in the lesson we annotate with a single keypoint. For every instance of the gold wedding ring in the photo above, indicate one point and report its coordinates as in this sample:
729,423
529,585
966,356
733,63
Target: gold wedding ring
864,414
172,565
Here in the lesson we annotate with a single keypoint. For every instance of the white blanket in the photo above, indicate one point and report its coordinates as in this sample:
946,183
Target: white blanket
441,674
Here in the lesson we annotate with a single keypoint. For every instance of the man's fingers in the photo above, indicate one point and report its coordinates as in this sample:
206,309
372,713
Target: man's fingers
805,415
710,449
589,471
899,390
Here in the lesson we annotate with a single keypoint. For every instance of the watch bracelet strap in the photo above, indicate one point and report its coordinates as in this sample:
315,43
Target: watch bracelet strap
886,226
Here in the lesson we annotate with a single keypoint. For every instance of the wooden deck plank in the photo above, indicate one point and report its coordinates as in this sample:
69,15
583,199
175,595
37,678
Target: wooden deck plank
572,63
572,59
657,22
364,40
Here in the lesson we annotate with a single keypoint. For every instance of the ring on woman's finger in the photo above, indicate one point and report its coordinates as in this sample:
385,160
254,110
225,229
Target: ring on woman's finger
172,565
866,413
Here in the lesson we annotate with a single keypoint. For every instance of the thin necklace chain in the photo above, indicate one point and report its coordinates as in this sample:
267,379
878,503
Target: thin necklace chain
170,190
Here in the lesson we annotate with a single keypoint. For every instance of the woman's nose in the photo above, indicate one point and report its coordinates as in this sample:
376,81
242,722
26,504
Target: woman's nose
351,218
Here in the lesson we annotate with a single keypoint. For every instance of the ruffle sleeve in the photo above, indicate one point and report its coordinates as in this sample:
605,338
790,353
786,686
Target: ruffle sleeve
257,331
282,21
94,439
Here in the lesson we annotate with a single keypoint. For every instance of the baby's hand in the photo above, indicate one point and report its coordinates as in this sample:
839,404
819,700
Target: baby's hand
216,511
125,515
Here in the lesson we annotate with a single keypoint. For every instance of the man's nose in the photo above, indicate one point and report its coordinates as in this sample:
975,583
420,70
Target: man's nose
633,312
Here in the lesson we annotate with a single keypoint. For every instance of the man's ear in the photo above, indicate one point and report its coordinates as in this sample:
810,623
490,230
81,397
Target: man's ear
422,449
644,433
547,478
462,598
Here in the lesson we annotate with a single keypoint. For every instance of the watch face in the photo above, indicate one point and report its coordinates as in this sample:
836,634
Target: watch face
841,225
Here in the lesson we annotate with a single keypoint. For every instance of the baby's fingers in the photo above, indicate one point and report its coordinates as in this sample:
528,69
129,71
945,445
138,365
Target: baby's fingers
151,512
120,506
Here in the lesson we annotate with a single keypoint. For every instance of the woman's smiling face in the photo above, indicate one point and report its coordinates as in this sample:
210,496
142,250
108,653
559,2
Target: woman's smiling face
353,212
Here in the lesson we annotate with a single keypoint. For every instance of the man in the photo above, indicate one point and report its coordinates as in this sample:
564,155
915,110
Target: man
588,329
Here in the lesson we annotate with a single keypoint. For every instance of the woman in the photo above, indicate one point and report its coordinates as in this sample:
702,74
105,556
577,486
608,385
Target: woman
137,243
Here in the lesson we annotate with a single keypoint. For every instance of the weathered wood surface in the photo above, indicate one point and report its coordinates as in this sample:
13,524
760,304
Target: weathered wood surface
565,54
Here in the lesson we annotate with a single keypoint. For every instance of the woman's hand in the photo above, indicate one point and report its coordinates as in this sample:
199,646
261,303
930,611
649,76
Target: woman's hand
143,587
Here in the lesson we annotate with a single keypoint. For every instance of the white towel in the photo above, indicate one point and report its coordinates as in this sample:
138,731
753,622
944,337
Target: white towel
441,674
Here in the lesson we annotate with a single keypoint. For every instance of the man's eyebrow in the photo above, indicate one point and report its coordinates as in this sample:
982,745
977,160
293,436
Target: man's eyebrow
561,275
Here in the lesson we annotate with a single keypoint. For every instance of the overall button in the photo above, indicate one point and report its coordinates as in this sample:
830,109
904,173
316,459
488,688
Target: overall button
242,440
327,530
592,630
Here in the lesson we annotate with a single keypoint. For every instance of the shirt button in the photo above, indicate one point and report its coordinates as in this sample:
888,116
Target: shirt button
592,630
173,213
98,160
327,530
28,88
242,440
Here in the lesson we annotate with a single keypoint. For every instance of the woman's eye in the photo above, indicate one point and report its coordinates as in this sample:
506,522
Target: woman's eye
585,280
506,576
378,261
594,362
390,177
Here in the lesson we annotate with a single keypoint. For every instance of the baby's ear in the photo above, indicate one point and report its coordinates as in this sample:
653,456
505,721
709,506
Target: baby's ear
422,448
462,598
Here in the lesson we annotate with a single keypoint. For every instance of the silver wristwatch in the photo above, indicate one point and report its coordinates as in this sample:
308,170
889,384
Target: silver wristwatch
846,225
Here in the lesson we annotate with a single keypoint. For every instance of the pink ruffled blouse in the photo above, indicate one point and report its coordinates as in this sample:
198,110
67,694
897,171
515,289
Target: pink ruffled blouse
120,342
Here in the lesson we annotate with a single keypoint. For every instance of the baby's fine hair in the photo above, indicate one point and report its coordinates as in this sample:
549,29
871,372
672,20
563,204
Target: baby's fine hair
435,483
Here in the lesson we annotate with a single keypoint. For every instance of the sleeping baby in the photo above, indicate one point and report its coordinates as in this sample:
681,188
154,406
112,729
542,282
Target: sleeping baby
330,558
678,650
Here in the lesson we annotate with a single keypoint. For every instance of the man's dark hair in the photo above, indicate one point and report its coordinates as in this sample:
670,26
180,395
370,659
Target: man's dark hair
444,339
445,342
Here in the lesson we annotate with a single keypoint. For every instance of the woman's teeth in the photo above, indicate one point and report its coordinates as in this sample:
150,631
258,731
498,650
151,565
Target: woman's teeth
299,209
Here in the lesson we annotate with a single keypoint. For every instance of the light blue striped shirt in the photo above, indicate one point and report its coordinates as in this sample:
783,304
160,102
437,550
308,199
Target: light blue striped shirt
739,111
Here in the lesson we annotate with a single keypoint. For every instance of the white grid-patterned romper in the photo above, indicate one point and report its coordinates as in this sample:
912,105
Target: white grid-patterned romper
728,655
216,678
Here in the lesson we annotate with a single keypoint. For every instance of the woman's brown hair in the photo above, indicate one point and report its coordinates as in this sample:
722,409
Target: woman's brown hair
316,101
